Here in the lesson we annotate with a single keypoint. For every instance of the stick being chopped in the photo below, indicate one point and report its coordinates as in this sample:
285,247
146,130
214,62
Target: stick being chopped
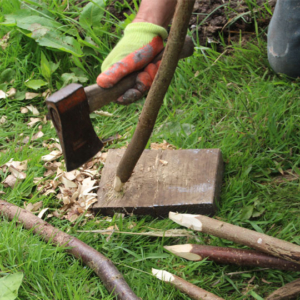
250,238
240,257
101,265
186,287
289,291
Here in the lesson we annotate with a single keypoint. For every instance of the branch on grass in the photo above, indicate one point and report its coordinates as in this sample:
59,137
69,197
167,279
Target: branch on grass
238,257
188,288
156,94
247,237
101,265
288,291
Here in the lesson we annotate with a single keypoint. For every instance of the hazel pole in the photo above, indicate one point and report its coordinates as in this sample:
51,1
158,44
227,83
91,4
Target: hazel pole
193,291
225,255
156,94
101,265
259,241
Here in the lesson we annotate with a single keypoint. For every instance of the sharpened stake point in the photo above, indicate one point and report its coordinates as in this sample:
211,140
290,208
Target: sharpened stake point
184,251
187,220
163,275
118,184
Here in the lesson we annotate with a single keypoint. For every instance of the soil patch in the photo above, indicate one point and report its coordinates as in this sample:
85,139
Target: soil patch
232,18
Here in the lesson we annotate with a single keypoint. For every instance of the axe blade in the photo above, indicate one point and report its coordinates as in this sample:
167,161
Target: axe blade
69,111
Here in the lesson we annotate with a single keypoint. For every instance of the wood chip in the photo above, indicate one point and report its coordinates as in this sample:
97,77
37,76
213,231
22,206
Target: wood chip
29,96
11,92
33,121
52,156
3,119
42,212
33,109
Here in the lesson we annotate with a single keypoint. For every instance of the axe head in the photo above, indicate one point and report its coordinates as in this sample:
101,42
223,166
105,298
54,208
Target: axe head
69,111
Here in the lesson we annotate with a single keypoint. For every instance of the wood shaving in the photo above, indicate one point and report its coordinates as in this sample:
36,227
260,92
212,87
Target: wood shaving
162,146
33,121
29,96
3,119
33,109
11,92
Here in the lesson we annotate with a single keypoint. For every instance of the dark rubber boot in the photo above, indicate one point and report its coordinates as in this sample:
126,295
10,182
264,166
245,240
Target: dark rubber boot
284,38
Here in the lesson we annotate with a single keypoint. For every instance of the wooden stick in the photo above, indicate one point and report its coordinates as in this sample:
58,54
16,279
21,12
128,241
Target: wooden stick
250,238
238,257
156,94
288,291
101,265
188,288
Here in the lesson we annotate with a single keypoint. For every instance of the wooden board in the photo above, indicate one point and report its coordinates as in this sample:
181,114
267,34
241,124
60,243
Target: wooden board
186,181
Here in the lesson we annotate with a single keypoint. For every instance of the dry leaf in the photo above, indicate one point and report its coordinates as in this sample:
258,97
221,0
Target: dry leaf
33,109
33,121
11,92
9,181
29,96
52,156
3,119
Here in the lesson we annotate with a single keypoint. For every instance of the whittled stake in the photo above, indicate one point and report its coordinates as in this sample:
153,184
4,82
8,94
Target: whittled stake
188,288
156,94
247,237
238,257
101,265
289,291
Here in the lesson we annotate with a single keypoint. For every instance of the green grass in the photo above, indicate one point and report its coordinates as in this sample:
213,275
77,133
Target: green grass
234,102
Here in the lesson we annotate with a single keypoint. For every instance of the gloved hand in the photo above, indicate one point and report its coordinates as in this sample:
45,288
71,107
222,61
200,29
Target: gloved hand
138,47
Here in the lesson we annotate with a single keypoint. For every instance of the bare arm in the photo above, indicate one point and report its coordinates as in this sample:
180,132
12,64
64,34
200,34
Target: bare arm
159,12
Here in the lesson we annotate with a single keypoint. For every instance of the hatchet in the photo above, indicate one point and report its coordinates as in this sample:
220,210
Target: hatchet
69,109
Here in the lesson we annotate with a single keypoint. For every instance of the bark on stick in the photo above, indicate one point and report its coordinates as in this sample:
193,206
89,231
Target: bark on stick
188,288
101,265
288,291
238,257
156,94
247,237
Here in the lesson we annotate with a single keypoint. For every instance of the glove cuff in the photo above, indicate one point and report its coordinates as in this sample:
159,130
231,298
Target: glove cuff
145,28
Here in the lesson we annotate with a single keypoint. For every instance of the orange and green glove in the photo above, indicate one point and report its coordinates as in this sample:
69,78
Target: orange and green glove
138,47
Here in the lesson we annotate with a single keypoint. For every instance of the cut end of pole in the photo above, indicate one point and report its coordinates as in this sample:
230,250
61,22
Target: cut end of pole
186,220
163,275
118,184
184,251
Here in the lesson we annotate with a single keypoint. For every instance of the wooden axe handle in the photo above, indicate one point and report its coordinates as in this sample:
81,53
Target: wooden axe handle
98,97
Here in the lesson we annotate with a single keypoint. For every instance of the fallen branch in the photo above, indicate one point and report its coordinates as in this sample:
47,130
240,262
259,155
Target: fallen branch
250,238
288,291
238,257
156,94
101,265
188,288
